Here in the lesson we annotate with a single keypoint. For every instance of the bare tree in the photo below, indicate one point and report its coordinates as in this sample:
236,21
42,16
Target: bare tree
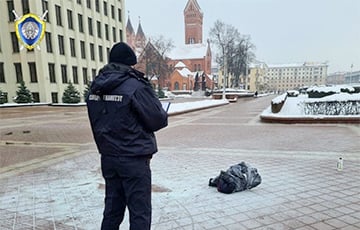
224,37
153,60
240,58
163,45
236,50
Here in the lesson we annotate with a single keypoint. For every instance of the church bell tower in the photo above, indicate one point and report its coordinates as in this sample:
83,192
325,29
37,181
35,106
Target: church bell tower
193,17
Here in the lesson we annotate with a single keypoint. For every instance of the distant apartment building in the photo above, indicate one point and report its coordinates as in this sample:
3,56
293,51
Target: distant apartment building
336,78
293,76
79,35
257,77
352,78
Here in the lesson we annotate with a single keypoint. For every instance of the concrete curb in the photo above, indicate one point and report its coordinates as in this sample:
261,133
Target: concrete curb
293,120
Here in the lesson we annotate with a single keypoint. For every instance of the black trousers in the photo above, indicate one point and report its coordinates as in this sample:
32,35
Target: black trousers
127,184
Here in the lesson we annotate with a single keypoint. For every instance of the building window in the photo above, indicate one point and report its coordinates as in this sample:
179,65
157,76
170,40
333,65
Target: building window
112,11
54,97
105,9
45,7
98,26
78,2
88,4
32,70
2,73
58,15
25,6
90,26
93,72
61,44
107,32
5,97
72,47
10,6
15,42
119,15
64,74
48,42
92,51
75,75
18,72
70,19
114,34
81,25
85,78
121,35
97,6
101,56
52,73
35,97
177,86
82,49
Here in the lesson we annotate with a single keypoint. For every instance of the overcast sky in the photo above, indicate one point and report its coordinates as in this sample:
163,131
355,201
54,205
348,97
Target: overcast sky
283,31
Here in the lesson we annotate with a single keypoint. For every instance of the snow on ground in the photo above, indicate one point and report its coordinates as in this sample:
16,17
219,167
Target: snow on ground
173,108
189,106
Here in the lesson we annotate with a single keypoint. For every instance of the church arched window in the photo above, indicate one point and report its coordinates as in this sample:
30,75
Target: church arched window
176,86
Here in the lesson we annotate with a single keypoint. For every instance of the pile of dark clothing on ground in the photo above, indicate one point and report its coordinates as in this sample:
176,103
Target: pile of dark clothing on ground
237,178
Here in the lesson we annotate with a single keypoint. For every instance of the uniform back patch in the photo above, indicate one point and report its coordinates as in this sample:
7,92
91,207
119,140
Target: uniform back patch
116,98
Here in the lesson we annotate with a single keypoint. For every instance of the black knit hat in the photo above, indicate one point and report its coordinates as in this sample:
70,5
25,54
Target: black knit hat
122,53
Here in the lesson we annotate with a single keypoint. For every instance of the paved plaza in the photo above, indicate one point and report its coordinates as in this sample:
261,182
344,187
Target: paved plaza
50,175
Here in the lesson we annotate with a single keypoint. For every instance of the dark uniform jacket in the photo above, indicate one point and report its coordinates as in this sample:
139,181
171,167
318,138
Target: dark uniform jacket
124,112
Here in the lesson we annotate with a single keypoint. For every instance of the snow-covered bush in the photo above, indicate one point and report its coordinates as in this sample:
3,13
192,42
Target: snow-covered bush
323,91
337,104
292,93
356,88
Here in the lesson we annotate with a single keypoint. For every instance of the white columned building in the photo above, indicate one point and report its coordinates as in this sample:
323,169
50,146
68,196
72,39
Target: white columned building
285,77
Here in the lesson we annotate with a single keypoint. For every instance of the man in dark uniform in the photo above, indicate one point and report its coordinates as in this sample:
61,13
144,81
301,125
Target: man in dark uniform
124,113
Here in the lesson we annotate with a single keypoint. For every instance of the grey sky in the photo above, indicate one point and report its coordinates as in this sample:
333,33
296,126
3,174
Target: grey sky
283,31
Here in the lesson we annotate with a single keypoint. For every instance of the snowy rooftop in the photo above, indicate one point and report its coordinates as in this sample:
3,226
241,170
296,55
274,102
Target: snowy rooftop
180,64
292,65
185,72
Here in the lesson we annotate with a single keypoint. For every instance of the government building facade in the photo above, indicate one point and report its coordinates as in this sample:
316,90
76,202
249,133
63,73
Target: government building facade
78,37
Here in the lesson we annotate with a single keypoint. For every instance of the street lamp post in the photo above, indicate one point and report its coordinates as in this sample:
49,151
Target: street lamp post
246,72
351,67
224,70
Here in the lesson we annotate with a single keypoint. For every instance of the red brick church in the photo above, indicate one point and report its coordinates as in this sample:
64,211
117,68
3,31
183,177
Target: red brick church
191,62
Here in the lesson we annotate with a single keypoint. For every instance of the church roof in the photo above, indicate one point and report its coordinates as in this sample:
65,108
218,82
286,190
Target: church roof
180,64
129,28
185,72
194,3
189,51
140,32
